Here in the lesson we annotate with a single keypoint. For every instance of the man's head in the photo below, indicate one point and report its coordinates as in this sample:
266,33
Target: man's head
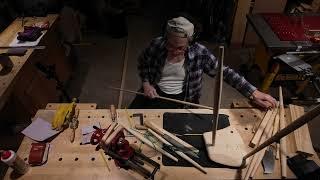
179,33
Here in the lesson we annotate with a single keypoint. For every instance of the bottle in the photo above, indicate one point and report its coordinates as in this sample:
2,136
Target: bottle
14,161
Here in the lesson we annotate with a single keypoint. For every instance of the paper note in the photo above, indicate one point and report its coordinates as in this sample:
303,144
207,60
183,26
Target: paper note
39,130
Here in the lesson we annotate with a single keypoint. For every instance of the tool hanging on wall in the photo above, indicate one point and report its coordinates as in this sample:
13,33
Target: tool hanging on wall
226,145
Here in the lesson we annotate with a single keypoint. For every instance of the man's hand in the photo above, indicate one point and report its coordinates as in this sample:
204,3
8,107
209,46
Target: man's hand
263,100
149,90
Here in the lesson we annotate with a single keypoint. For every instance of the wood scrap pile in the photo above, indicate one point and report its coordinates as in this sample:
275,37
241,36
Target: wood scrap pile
274,120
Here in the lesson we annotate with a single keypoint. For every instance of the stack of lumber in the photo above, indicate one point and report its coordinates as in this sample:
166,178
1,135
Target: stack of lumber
274,120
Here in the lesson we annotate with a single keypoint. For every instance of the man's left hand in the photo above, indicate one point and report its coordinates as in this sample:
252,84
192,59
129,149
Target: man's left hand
263,100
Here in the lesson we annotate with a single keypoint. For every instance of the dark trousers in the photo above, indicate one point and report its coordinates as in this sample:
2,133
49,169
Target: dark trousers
143,102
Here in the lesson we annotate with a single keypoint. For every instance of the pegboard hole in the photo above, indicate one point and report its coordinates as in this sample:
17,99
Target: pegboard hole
102,116
254,115
231,131
92,159
159,158
25,159
92,106
49,105
76,159
60,159
88,116
158,116
109,159
246,128
144,116
241,115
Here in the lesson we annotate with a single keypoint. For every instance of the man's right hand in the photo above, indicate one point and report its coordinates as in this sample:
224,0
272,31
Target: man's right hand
149,90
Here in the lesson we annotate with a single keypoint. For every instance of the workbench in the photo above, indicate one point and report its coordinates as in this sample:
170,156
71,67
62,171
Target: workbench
24,85
75,161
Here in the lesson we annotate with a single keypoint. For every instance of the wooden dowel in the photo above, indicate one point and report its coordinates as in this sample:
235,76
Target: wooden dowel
287,130
283,141
255,140
165,98
181,154
257,157
267,135
275,130
109,131
150,144
217,94
163,132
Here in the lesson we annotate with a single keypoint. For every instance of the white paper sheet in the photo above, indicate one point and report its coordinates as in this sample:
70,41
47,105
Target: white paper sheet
39,130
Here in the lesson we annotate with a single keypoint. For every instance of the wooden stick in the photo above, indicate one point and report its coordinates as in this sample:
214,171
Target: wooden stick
267,135
150,144
217,94
283,141
287,130
162,132
109,131
260,129
275,130
181,154
165,98
257,157
113,134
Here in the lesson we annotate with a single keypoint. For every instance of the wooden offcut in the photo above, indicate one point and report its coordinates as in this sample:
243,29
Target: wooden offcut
283,141
302,139
255,161
255,140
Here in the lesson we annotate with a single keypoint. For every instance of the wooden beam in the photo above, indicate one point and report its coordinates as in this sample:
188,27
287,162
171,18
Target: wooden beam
283,141
302,135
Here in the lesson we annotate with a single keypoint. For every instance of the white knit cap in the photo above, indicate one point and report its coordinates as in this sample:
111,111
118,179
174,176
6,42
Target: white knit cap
181,26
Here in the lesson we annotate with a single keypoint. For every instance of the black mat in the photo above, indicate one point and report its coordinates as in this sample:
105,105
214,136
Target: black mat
188,123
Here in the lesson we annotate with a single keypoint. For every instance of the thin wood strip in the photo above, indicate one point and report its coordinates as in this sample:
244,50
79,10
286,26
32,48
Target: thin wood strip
255,140
256,157
260,157
302,135
283,141
165,98
293,118
217,94
275,130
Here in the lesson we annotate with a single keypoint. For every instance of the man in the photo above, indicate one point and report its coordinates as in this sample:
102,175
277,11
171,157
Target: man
172,66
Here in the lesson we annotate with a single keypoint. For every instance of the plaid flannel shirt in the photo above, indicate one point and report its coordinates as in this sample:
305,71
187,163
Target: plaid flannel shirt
198,60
